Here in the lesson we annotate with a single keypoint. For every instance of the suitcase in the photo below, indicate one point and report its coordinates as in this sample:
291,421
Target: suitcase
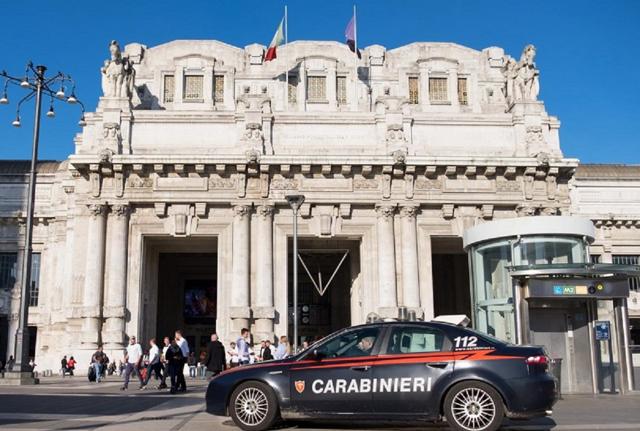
91,375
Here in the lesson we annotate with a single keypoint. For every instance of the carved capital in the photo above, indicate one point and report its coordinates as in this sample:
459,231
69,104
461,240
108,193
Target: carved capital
241,210
265,211
121,210
385,212
408,212
97,209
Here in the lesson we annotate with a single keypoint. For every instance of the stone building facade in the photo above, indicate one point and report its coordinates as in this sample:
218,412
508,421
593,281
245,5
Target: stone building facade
171,211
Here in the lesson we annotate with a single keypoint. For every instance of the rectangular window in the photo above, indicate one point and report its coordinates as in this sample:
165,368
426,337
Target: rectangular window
8,267
341,90
463,98
317,88
416,340
438,90
634,282
169,88
193,88
595,258
292,90
34,289
218,88
413,90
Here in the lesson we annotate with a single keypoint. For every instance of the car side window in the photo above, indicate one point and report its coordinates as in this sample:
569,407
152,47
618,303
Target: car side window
416,340
350,344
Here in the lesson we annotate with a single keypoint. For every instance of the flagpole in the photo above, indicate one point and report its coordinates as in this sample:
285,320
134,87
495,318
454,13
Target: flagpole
286,69
355,68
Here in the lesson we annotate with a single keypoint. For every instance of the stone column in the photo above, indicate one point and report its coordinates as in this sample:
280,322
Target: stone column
263,310
94,275
116,288
239,310
410,283
387,295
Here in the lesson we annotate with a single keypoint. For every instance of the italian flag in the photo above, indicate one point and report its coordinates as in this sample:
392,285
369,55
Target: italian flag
277,40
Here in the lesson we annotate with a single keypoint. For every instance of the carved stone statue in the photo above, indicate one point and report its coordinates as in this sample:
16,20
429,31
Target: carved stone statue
118,74
522,77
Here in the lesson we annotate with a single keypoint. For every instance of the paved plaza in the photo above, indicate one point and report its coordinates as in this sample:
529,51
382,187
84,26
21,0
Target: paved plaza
74,404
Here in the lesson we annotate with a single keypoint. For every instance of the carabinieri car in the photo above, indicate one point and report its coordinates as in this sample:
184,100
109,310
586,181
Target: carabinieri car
407,371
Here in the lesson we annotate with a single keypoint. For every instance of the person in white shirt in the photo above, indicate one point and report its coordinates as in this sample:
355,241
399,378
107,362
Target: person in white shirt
164,363
133,361
234,359
181,384
154,364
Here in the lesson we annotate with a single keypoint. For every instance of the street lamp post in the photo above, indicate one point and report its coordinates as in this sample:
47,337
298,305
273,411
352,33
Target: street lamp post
37,84
295,201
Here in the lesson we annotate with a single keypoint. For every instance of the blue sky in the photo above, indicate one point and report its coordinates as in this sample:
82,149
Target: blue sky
587,51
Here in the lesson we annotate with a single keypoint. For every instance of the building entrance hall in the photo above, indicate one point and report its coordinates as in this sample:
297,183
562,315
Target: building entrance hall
328,287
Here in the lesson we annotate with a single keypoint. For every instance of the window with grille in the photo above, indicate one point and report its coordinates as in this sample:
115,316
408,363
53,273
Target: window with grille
438,90
8,266
169,87
292,90
341,90
34,289
413,90
463,98
218,88
595,258
634,282
193,88
317,88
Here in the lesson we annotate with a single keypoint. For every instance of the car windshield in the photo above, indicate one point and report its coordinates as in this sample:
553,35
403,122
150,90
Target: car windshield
347,344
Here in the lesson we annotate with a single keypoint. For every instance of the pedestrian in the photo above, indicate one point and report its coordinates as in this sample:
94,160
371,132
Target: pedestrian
184,349
10,363
112,368
214,361
97,362
132,362
32,364
63,365
154,363
175,361
284,350
242,345
191,361
234,359
71,365
261,351
267,354
165,363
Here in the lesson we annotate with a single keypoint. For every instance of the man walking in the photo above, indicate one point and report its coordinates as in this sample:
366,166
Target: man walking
175,363
154,364
97,361
165,363
215,361
132,359
184,350
243,346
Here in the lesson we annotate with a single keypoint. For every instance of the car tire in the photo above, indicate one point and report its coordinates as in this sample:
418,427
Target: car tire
473,406
253,406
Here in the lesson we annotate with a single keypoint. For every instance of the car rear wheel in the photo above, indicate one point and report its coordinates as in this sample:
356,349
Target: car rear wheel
473,406
253,406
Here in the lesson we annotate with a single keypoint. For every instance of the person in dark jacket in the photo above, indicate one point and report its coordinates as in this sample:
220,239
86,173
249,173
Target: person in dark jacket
215,361
175,360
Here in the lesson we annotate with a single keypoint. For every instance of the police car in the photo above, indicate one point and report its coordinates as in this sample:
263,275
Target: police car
407,371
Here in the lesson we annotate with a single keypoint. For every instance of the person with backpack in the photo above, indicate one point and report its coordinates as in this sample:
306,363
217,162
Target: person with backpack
154,364
175,360
97,362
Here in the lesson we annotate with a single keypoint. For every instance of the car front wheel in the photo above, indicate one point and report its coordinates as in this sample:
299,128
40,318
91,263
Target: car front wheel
473,406
253,406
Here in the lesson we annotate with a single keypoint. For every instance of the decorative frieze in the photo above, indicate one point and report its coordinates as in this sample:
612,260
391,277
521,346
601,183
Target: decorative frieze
219,183
284,184
428,184
365,184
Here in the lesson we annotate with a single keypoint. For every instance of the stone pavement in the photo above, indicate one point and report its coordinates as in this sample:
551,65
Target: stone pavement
75,404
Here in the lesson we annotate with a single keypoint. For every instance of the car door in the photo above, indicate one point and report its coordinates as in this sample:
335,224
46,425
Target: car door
413,362
335,376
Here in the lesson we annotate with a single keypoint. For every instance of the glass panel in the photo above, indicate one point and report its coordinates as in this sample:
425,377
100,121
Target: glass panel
218,88
8,267
193,87
415,340
413,90
317,88
168,88
548,250
438,89
634,282
493,292
34,289
355,343
341,89
292,91
462,91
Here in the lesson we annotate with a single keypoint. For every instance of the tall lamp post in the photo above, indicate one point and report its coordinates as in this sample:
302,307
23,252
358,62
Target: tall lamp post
295,201
36,84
